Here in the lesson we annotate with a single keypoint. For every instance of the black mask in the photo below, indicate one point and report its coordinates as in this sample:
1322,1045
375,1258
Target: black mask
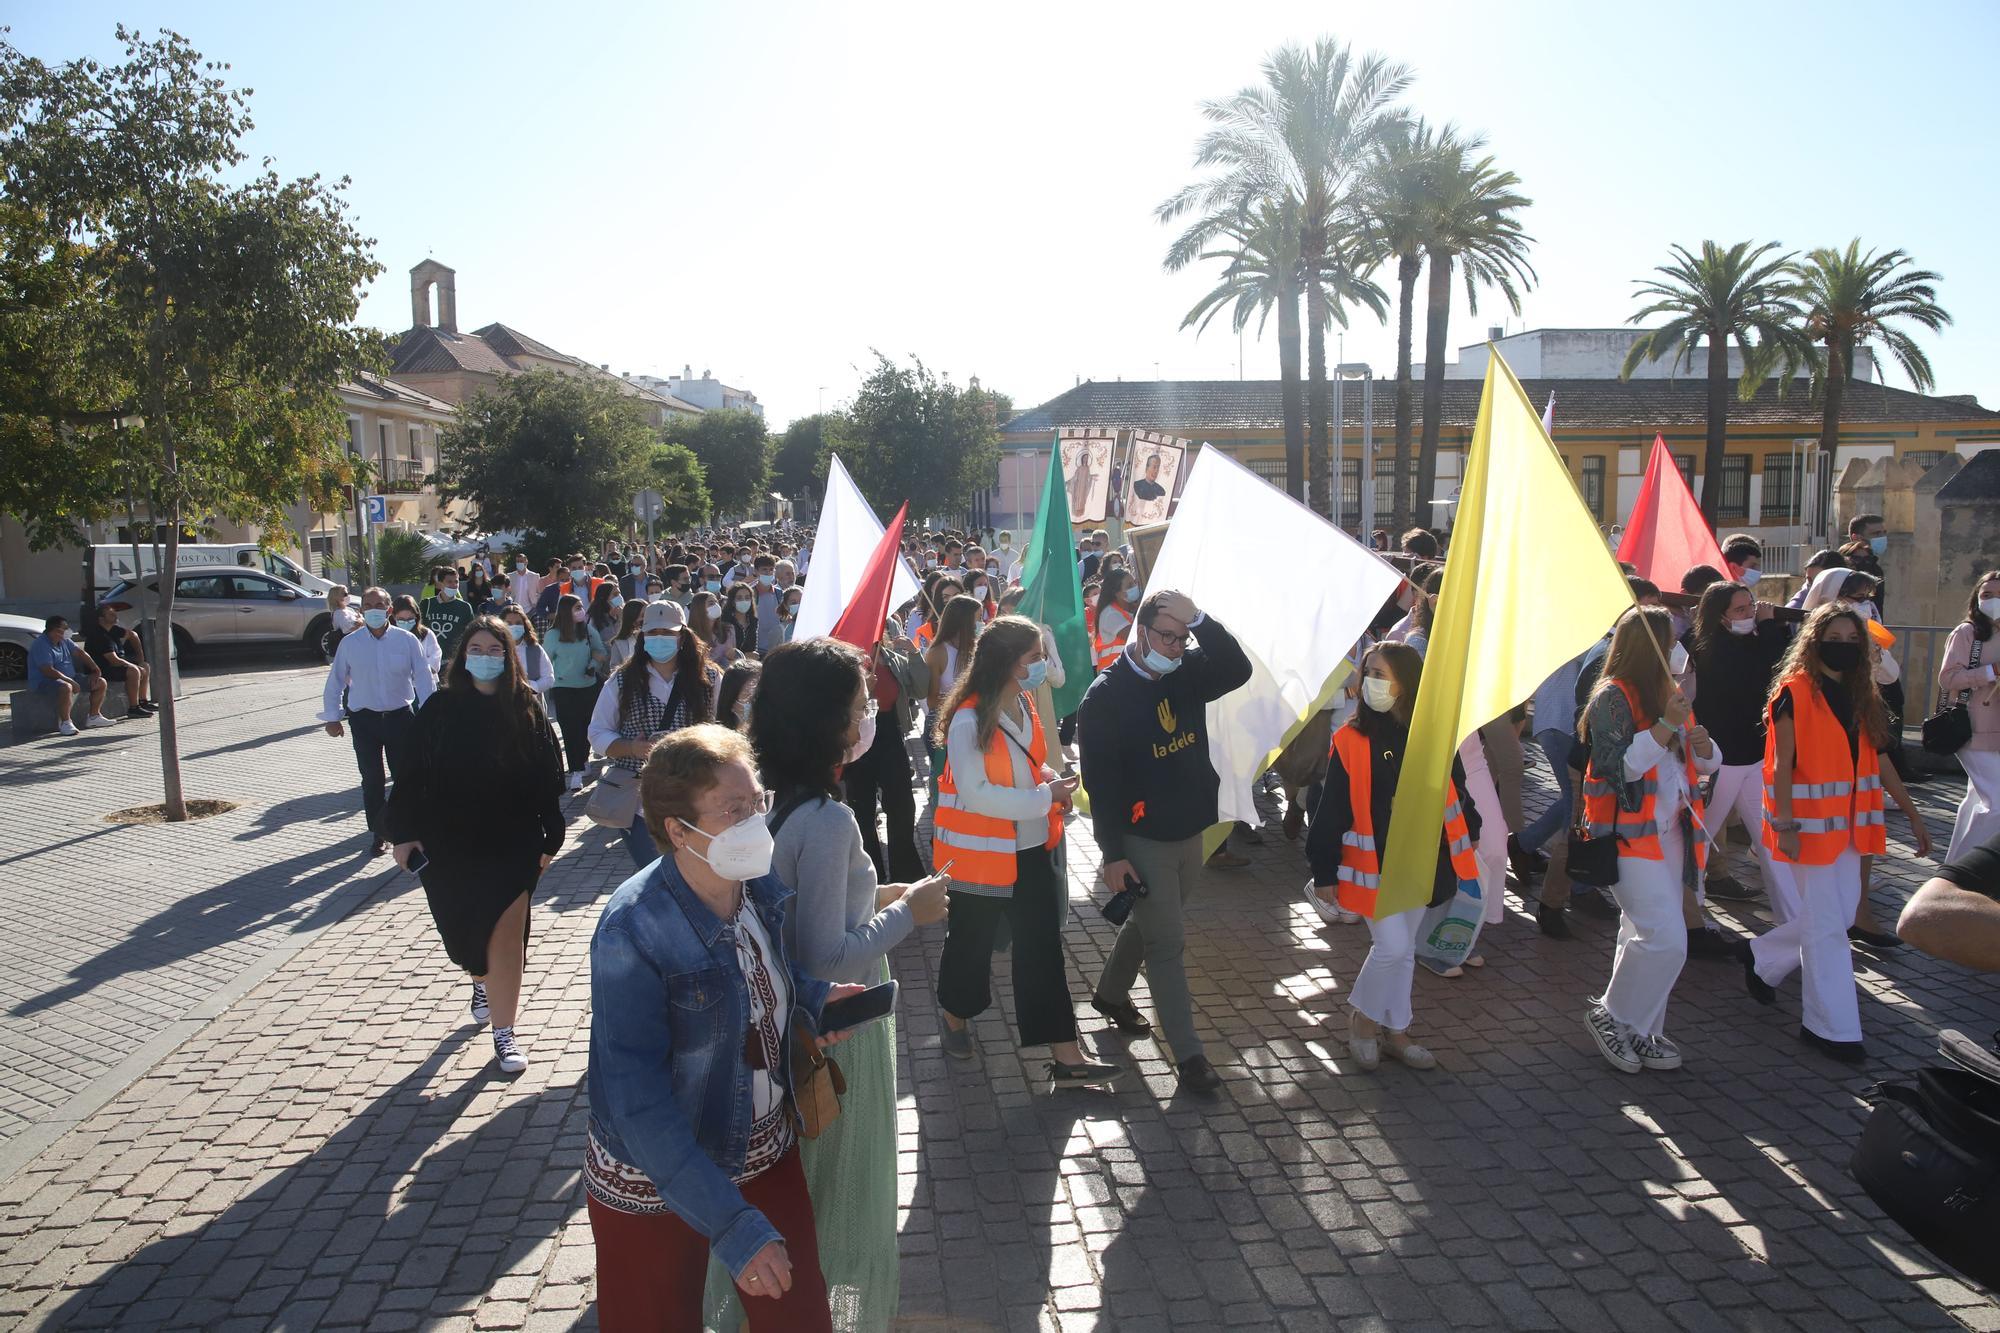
1840,657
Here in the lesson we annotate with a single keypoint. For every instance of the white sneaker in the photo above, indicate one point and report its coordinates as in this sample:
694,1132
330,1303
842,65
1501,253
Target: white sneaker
576,782
1331,913
508,1052
98,720
1656,1052
1612,1039
65,728
480,1011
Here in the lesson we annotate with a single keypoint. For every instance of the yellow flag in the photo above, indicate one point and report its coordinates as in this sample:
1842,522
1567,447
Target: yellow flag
1529,584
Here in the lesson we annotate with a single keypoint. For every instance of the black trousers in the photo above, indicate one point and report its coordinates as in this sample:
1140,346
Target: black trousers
1042,1010
883,776
573,707
378,737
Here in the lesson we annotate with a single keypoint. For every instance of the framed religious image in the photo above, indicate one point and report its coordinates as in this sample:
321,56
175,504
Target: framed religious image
1086,463
1153,478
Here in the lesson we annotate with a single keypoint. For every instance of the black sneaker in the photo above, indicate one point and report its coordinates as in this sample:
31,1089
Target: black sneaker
1526,864
1760,990
1551,920
1879,940
1198,1075
1847,1052
1729,889
1125,1014
1089,1074
1704,942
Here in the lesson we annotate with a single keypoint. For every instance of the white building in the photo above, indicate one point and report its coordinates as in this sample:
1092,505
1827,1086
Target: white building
1593,354
708,393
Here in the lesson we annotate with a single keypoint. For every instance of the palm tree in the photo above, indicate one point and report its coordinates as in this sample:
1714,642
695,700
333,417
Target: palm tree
1477,232
1398,203
1262,272
1301,140
1852,300
1723,296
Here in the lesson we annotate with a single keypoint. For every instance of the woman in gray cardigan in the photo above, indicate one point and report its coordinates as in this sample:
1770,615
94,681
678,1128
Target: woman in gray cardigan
814,715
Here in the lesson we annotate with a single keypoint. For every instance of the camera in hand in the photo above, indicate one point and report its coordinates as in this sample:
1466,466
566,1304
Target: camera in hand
1120,905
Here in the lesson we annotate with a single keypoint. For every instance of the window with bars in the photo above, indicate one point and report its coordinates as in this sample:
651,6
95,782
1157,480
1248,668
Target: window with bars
1270,469
1734,501
1350,488
1780,488
1925,458
1685,462
1593,483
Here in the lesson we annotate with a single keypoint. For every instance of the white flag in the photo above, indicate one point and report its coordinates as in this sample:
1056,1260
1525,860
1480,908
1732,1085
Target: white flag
847,535
1296,630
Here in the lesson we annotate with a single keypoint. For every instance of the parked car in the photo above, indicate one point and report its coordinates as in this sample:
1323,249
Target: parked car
112,563
16,634
224,608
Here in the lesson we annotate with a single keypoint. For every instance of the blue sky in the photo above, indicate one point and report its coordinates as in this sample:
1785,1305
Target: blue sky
769,191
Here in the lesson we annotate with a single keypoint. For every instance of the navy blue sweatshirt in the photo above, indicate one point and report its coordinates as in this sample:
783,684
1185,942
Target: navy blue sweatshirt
1143,742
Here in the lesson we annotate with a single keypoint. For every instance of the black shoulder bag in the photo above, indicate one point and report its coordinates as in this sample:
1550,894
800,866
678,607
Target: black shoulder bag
1947,730
1592,861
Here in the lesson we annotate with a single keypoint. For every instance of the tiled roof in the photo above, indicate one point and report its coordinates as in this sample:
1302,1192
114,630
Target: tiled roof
511,343
431,351
389,391
1194,406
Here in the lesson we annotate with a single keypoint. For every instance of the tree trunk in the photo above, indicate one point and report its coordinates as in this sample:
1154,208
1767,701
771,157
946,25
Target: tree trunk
1839,365
1407,269
1718,424
1437,324
1318,401
170,748
1289,391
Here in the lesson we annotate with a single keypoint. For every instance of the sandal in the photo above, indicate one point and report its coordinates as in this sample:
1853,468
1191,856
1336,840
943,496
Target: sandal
1408,1053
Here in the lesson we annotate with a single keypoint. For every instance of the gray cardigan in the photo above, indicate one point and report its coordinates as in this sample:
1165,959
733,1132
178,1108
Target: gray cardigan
833,931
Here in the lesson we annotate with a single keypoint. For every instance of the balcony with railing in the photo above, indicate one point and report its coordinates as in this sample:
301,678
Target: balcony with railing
400,476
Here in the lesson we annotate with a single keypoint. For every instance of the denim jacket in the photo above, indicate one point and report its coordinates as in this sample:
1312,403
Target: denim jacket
669,1085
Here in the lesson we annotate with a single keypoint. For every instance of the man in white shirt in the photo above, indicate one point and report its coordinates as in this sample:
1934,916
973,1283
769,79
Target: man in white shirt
525,583
380,670
1006,556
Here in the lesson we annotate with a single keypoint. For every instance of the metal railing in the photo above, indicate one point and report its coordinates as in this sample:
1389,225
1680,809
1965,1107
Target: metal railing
1919,651
400,476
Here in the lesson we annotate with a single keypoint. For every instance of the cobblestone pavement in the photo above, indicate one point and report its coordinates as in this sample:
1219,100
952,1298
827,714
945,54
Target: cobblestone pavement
335,1150
121,936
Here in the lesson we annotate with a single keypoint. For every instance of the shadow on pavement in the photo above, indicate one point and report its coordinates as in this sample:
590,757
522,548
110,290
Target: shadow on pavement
395,1210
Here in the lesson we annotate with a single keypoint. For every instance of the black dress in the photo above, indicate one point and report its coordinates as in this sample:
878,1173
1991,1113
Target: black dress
485,811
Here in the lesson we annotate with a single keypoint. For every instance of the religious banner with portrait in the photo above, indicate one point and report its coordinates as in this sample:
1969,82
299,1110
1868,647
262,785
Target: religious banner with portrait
1153,476
1086,465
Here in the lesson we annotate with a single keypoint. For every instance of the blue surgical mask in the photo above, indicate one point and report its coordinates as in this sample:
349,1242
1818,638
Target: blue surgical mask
767,579
1038,671
1159,664
448,593
1878,544
1131,593
1748,578
660,647
519,632
617,602
486,668
713,585
375,617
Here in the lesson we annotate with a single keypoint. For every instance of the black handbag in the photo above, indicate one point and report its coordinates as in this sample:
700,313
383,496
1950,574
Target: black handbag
1592,861
1947,730
1930,1156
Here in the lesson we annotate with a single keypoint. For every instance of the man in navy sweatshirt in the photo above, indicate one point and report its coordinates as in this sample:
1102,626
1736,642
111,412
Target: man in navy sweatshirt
1142,737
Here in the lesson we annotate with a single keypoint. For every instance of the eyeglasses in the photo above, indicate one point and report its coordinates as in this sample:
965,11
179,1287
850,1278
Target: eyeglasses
1177,640
760,804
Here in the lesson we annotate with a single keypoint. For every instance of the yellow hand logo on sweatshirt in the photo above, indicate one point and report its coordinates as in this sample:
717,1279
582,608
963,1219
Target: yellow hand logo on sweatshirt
1167,719
1168,723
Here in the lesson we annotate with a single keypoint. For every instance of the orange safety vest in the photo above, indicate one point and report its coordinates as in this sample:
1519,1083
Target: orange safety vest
925,633
1360,876
982,846
1108,649
1638,832
1836,797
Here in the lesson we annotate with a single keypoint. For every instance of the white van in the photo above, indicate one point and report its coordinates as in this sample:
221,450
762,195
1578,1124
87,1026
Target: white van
112,564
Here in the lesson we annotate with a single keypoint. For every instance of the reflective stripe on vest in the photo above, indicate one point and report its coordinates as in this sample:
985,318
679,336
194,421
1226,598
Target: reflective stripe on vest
982,847
1836,796
1359,879
1638,831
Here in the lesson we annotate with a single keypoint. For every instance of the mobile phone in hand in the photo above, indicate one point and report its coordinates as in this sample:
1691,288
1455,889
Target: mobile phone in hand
853,1011
418,861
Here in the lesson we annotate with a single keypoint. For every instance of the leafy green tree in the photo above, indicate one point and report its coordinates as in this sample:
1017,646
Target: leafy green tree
559,456
1477,232
1723,296
1852,300
400,558
1302,140
735,453
912,435
1260,253
178,330
798,468
683,488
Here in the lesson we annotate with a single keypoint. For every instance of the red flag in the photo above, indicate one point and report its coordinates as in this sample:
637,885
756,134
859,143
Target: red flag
1667,535
861,623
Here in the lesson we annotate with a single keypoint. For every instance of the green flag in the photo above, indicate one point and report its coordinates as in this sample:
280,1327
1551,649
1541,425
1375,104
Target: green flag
1054,595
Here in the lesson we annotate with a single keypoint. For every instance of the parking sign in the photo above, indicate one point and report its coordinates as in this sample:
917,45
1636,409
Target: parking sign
377,507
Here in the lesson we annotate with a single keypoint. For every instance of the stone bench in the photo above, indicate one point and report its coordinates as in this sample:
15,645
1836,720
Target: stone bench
34,713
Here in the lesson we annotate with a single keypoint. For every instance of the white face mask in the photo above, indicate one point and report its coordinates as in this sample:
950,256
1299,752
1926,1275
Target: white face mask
1990,607
1677,660
1748,578
1747,625
1378,694
741,851
862,741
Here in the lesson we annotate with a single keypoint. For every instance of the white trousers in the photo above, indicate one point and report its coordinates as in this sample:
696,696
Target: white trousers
1979,813
1739,788
1652,939
1816,941
1382,987
1491,849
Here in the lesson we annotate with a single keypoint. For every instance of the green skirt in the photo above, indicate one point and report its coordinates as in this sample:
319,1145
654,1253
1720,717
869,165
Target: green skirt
851,1175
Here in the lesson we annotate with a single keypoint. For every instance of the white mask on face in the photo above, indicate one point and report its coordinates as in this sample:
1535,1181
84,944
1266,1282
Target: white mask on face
1378,694
1677,660
1990,607
1747,625
1748,578
863,741
741,851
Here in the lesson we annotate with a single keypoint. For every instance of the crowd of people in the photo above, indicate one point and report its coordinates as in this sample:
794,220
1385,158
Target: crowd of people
741,1161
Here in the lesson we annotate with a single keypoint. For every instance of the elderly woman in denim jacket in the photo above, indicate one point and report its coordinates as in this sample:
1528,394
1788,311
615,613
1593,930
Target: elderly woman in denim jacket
693,1134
